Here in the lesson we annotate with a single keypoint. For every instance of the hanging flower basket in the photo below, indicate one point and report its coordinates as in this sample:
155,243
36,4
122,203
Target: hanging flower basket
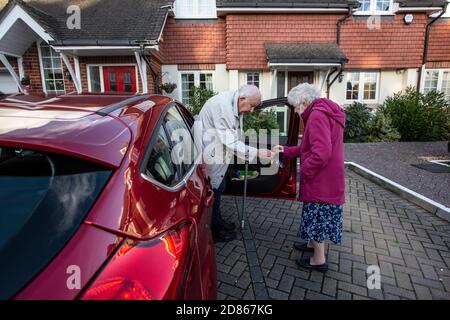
168,87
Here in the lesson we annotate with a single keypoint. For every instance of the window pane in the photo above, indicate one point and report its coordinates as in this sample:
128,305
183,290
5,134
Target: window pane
205,7
446,84
281,81
159,165
431,81
53,71
187,82
352,86
383,5
253,78
94,75
370,86
180,135
206,80
365,5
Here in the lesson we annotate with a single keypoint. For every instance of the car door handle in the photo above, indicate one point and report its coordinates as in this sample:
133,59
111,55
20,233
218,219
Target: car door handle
209,197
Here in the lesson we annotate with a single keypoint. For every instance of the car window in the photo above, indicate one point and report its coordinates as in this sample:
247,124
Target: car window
44,198
160,166
181,138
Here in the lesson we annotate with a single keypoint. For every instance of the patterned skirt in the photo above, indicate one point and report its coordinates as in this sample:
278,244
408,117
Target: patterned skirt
321,221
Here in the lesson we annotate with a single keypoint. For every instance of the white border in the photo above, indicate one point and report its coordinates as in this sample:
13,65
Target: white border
440,78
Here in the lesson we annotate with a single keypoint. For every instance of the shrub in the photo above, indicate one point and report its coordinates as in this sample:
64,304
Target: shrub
380,128
199,96
258,120
418,116
357,122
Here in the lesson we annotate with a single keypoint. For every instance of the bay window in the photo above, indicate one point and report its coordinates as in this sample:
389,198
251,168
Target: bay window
362,87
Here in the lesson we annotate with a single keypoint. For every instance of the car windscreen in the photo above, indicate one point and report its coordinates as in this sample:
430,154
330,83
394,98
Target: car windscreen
44,197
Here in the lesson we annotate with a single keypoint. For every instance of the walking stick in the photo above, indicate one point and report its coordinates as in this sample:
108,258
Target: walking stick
244,198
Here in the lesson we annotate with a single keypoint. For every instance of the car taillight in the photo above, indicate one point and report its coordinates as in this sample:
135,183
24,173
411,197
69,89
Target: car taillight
155,269
118,289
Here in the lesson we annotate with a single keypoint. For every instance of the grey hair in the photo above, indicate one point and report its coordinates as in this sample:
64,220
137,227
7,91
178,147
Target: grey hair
303,94
248,90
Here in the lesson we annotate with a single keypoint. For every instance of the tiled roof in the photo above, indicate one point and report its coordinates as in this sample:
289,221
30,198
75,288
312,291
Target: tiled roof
102,22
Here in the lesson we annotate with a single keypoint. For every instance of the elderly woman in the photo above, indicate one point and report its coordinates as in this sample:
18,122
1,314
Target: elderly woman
322,185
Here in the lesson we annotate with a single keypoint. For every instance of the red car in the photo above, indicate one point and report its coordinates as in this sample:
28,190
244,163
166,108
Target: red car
94,207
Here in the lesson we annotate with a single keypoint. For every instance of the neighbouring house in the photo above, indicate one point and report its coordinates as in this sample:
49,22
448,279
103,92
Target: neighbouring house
353,50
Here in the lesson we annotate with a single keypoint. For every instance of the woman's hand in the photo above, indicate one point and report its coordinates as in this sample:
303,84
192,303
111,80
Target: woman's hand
278,149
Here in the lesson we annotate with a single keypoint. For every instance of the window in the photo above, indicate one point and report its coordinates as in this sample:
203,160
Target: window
159,165
253,78
195,9
438,80
194,78
52,68
95,84
375,6
181,138
362,86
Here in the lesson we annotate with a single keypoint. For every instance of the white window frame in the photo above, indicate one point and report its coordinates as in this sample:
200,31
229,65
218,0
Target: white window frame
102,83
196,11
361,88
196,80
259,81
41,67
440,78
374,12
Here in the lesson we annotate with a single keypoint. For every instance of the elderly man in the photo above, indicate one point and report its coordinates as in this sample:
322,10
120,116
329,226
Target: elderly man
222,119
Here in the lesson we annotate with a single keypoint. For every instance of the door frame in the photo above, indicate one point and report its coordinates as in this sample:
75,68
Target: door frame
310,74
101,65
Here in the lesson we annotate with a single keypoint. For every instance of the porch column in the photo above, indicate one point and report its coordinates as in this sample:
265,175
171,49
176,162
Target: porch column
21,69
273,83
76,77
13,73
142,67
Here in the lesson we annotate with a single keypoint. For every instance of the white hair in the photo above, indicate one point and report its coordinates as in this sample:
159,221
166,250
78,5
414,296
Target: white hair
249,91
303,95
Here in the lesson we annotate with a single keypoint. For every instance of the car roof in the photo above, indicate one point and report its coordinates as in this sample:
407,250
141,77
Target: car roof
95,127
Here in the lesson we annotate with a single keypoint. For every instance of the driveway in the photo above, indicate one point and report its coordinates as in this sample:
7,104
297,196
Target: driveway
408,244
393,160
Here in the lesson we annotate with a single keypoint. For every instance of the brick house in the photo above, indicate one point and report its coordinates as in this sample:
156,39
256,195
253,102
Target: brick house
353,50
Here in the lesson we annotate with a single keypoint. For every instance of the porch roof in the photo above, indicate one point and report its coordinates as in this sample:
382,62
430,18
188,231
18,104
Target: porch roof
305,53
103,23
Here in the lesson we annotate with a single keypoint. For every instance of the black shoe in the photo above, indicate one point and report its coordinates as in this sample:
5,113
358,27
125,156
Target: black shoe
223,235
302,246
306,264
229,226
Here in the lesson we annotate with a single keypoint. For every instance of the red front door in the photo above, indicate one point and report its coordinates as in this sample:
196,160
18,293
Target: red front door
119,79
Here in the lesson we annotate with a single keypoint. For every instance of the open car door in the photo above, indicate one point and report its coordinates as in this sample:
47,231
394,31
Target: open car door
283,182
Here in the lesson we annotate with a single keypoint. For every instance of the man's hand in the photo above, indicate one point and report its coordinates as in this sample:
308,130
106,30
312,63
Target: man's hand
278,149
265,154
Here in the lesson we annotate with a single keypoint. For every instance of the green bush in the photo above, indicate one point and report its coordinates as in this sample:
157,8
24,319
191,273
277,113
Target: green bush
198,97
418,116
364,125
380,128
357,122
258,120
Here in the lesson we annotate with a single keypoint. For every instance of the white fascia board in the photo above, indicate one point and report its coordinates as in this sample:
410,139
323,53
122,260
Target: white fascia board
286,10
18,13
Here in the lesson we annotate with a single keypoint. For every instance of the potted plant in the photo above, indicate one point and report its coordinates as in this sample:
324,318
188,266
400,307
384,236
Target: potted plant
25,82
168,87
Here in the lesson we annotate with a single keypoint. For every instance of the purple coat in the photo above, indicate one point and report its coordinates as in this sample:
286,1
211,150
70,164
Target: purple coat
321,152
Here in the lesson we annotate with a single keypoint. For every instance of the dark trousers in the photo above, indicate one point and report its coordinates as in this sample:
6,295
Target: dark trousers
217,222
